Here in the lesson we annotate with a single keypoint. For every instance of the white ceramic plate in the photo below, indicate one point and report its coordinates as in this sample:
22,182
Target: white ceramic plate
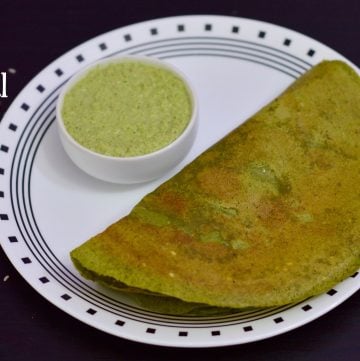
48,206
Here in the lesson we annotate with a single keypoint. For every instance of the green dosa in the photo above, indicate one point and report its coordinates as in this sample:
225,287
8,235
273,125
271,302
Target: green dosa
267,216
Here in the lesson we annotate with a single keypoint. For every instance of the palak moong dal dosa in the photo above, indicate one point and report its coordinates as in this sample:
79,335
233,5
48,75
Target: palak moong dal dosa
268,216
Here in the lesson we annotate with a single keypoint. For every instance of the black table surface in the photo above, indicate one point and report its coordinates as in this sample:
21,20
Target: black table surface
34,33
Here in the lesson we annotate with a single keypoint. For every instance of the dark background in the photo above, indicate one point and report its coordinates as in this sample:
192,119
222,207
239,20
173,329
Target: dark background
34,33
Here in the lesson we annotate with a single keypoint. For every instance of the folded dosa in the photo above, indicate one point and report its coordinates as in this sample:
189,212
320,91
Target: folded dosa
267,216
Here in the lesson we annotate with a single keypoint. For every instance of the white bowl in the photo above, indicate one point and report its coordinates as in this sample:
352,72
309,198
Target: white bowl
134,169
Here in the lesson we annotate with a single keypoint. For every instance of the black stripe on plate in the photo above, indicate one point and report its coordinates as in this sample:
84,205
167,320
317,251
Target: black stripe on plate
13,127
13,239
287,42
4,148
213,40
311,52
59,72
65,297
40,88
26,260
80,58
218,45
25,107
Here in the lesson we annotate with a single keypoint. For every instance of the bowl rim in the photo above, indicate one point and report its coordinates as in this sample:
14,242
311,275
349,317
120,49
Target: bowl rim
72,81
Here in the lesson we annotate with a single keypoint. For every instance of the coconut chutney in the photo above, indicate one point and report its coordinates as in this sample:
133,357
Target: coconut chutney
127,108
